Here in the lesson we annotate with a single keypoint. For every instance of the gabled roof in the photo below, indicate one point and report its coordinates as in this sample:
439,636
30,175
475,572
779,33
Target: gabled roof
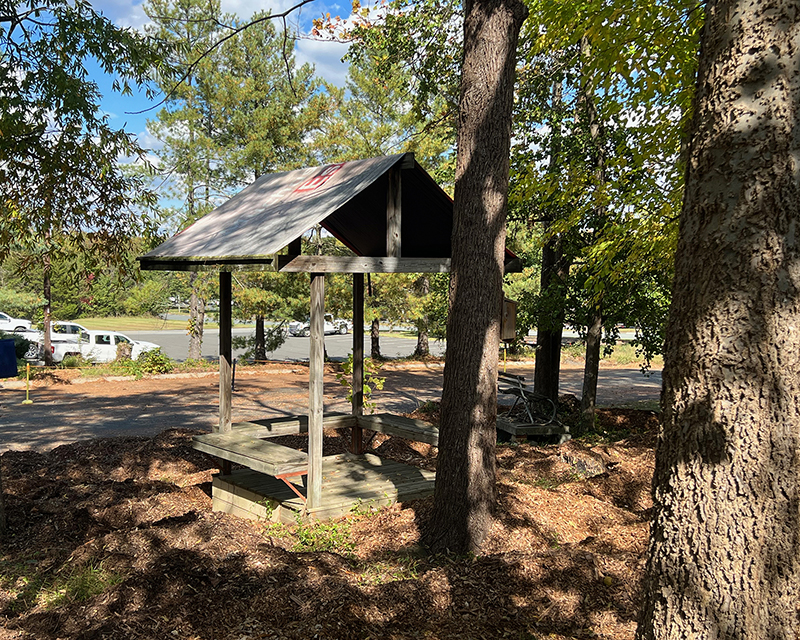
347,199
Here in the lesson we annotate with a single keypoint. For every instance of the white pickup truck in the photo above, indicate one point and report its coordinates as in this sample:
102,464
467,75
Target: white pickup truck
96,346
7,323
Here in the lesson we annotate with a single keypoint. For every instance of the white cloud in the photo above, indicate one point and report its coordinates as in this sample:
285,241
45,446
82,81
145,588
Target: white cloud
326,58
148,141
124,13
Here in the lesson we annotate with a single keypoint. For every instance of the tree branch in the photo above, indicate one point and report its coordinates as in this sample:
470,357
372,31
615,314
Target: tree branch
232,34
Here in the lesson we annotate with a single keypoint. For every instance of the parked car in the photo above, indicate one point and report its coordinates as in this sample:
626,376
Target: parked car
7,323
331,325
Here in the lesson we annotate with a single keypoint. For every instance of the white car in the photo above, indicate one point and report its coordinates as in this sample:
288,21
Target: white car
331,326
7,323
101,346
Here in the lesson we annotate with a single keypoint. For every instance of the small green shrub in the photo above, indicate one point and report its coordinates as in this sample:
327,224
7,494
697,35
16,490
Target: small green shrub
192,364
372,381
72,362
576,350
154,362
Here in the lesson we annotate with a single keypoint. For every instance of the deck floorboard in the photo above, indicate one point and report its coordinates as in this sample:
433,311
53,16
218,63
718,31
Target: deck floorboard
347,483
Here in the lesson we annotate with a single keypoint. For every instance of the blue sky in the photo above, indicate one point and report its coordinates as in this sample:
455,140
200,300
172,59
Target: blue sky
326,56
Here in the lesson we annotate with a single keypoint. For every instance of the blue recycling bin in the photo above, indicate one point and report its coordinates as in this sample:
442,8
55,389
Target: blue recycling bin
8,359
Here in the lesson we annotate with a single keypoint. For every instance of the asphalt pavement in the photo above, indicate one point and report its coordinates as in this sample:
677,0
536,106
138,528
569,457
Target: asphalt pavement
175,343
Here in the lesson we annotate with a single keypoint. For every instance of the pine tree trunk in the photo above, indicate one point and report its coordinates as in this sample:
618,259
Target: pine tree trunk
260,347
465,476
197,312
375,339
724,558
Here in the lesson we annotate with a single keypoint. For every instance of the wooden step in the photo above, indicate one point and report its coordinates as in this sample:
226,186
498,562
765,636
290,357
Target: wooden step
261,455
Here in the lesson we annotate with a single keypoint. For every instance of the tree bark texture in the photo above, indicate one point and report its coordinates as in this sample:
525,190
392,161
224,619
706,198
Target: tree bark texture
550,324
724,557
554,271
260,346
197,314
47,318
375,339
465,477
591,368
422,350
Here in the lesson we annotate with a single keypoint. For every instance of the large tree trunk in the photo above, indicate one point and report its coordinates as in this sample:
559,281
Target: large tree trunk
724,557
465,476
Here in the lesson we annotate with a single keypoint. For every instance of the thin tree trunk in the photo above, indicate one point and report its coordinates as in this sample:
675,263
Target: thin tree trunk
465,476
594,337
47,319
591,369
196,320
260,346
724,558
422,349
375,339
550,325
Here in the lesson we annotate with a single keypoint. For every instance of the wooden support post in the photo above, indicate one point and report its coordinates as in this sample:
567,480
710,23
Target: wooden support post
315,390
356,433
225,353
394,198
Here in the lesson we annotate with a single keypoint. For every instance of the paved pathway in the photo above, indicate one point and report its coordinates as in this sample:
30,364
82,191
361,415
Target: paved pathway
61,414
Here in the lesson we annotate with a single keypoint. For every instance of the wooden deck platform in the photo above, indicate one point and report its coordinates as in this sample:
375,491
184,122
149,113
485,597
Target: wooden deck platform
348,481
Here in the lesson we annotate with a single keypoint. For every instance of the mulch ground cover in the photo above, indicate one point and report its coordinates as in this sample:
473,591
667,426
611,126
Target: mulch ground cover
115,538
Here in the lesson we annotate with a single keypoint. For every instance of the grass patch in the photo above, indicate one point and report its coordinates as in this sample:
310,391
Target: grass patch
29,587
404,567
623,354
133,323
331,536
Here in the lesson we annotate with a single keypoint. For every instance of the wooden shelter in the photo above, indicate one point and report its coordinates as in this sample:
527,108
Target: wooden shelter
394,218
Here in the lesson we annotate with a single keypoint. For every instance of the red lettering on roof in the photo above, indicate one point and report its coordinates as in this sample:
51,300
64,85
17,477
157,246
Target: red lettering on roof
321,178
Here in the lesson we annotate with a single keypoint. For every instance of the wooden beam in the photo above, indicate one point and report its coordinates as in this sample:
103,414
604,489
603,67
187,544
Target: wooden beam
240,263
225,352
316,365
394,199
356,433
361,264
295,247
